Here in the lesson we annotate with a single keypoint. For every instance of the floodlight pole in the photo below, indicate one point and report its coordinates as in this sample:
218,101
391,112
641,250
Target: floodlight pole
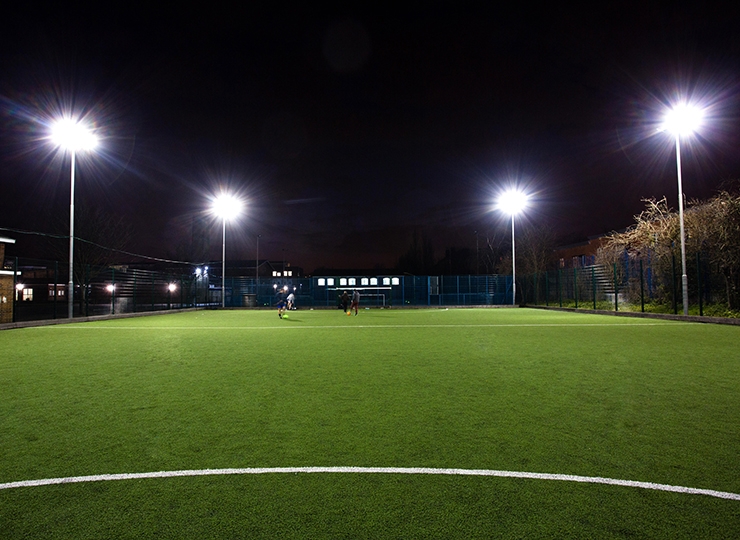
70,282
513,264
684,278
223,268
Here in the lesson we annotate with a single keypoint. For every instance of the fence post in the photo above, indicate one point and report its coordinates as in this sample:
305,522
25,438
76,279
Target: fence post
698,277
673,281
547,289
560,287
86,283
642,290
575,284
593,284
616,289
133,293
113,291
15,291
56,288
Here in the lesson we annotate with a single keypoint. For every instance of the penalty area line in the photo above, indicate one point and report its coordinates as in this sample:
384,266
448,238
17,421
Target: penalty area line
373,470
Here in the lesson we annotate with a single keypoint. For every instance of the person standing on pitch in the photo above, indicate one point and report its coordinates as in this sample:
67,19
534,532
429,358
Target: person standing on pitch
291,301
355,301
345,302
281,307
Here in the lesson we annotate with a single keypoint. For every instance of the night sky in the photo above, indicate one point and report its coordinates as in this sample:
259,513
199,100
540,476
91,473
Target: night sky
346,129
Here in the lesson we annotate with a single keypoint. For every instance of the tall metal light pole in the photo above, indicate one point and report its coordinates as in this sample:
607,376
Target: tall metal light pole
512,202
225,206
682,120
74,137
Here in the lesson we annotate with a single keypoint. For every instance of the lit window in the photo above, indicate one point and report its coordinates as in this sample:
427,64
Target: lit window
386,281
364,281
330,282
275,274
321,282
352,282
395,281
289,272
27,295
342,282
373,281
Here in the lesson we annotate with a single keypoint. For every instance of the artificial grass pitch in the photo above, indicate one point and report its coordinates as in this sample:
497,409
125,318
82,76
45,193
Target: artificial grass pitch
504,389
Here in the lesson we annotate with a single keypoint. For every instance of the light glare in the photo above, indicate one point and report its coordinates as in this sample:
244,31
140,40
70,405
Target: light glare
683,119
72,136
512,202
227,206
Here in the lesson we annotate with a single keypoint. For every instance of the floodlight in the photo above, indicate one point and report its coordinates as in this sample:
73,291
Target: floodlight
19,286
512,202
171,287
225,206
683,119
110,288
74,137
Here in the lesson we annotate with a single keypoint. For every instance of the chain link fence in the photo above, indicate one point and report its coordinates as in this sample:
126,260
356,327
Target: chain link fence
37,290
632,284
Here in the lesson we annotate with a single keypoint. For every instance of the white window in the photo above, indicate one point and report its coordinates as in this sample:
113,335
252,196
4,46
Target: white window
289,273
365,281
386,281
330,282
275,274
27,295
321,282
352,282
373,281
395,281
343,282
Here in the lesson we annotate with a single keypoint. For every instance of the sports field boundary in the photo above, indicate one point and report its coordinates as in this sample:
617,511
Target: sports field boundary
51,322
372,470
637,314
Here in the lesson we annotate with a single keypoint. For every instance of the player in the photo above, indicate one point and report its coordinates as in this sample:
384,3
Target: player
345,302
281,307
291,301
355,301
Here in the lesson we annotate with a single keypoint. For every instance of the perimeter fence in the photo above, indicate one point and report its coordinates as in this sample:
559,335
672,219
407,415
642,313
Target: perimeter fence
35,289
632,284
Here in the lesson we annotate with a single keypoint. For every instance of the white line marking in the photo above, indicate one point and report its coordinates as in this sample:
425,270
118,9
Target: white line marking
374,470
85,326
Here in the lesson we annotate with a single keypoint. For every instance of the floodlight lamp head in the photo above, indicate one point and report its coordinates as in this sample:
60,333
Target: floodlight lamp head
171,287
683,119
512,202
72,135
226,206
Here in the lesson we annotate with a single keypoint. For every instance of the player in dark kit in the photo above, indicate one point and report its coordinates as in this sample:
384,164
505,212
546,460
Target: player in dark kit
355,301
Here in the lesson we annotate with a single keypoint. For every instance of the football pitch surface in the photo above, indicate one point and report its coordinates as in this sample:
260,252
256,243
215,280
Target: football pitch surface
459,423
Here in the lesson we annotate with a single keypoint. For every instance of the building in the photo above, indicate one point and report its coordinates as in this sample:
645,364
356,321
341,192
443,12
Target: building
6,284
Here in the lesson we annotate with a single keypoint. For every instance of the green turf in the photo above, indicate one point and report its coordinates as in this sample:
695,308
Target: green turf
506,389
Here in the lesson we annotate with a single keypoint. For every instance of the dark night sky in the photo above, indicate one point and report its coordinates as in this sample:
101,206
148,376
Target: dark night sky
345,129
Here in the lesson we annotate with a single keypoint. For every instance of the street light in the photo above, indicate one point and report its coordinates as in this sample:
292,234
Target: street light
74,137
225,206
512,202
683,119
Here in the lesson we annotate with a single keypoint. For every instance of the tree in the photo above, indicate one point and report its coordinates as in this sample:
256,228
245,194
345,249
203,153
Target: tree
712,228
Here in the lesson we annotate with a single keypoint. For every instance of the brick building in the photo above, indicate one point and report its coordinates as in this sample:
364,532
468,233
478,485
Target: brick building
6,284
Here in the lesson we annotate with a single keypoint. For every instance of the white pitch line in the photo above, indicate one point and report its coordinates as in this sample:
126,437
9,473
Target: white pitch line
289,326
375,470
